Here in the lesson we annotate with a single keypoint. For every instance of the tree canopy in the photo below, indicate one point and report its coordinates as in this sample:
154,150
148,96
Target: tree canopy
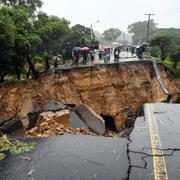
175,56
24,36
139,31
163,42
27,35
31,5
111,34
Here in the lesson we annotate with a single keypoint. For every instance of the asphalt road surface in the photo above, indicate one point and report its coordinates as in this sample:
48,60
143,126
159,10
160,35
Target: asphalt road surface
151,152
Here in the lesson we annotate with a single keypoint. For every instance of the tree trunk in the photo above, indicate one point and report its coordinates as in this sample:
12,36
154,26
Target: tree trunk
32,68
175,64
2,76
47,64
28,73
163,54
18,73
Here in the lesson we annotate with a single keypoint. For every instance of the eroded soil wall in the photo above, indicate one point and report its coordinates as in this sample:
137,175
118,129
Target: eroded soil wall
107,89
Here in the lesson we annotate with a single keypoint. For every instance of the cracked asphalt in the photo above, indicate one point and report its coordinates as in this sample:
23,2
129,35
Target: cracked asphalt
151,152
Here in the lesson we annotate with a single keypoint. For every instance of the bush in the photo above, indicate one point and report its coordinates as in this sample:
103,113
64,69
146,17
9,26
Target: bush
175,56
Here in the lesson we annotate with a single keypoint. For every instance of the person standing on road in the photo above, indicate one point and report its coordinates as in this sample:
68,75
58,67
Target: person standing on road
127,50
92,54
76,57
116,54
132,51
56,62
139,52
106,56
85,55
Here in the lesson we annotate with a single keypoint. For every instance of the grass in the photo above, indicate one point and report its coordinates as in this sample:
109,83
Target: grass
169,65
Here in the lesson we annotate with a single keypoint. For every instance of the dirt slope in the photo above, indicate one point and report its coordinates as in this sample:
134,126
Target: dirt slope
107,89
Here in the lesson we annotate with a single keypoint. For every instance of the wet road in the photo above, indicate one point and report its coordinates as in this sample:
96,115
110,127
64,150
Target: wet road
151,152
155,140
168,126
123,57
70,157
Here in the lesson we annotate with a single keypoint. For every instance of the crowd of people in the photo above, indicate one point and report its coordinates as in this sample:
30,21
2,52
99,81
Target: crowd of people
86,55
117,52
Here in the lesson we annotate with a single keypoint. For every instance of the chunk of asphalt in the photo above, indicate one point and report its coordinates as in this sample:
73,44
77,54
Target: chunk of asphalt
12,125
53,106
95,122
77,122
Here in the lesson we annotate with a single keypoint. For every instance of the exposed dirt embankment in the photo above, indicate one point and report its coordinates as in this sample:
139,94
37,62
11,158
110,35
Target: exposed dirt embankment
107,89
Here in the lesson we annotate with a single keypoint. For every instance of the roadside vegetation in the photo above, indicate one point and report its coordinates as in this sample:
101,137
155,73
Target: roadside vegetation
14,147
165,52
164,43
29,38
166,49
169,65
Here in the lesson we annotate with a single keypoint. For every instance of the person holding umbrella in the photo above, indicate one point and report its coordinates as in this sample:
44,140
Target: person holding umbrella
75,55
85,51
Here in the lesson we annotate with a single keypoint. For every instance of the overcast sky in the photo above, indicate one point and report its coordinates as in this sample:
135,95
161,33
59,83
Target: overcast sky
114,13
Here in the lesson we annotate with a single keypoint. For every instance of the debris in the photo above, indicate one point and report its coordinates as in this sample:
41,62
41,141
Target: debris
31,171
53,106
109,134
13,146
25,158
54,124
58,117
95,176
2,156
159,112
33,131
94,122
12,125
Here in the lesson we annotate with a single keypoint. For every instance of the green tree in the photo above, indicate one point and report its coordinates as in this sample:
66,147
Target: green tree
175,56
22,42
26,48
26,41
84,34
111,34
79,36
83,31
31,5
52,31
7,35
169,31
26,36
72,40
173,32
163,42
139,31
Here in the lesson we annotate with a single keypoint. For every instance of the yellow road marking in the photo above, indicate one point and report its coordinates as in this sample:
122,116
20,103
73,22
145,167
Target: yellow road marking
159,164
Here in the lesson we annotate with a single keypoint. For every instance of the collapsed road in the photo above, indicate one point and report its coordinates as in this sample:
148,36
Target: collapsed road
107,89
150,152
146,152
